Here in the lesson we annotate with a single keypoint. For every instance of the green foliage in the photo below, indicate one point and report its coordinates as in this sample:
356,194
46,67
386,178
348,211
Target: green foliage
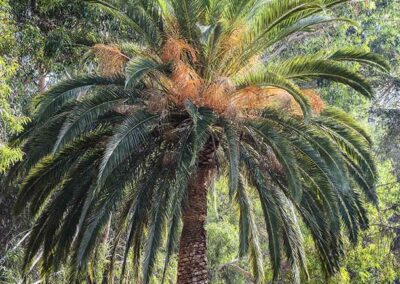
10,123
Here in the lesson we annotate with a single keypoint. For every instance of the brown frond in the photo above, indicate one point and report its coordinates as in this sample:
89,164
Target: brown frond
124,109
175,49
111,59
217,94
156,101
187,83
316,103
256,98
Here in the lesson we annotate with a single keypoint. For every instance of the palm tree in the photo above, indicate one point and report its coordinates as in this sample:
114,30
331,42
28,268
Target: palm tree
200,94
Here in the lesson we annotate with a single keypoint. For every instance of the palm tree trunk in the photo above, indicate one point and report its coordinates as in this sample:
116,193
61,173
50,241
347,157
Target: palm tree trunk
192,263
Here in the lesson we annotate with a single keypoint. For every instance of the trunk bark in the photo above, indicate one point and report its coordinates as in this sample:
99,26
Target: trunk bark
42,80
192,263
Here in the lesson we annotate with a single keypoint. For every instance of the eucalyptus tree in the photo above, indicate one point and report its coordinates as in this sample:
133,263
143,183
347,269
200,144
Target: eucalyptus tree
193,99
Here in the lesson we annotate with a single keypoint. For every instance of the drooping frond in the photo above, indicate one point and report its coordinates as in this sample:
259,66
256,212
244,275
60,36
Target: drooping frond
303,68
90,109
361,56
248,234
111,59
265,78
132,134
54,99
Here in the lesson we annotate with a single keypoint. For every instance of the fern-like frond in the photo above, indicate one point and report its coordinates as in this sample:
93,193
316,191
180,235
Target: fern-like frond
54,99
303,68
132,134
83,116
361,56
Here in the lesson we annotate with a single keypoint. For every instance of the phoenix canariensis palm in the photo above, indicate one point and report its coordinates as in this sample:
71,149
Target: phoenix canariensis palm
195,97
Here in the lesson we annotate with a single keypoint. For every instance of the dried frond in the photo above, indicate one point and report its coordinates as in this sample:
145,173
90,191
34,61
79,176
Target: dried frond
187,83
317,104
214,97
156,101
174,49
124,109
111,59
256,98
217,94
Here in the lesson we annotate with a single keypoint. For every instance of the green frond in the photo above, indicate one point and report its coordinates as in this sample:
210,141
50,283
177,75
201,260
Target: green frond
356,152
275,13
99,205
202,119
301,25
46,174
361,56
303,68
342,118
187,14
52,225
36,142
54,99
248,234
128,139
292,236
159,213
89,110
318,179
138,67
140,205
327,239
233,140
321,143
280,146
270,210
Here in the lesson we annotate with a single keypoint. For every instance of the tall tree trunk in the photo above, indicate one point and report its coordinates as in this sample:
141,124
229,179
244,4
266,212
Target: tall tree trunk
42,79
192,263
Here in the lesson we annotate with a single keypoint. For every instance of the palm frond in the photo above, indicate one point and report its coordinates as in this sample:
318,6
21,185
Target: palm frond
88,111
234,156
270,210
361,56
248,234
265,78
128,139
139,67
66,91
305,67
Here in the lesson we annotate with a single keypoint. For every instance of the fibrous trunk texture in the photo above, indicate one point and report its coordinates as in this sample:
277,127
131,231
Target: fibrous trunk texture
192,264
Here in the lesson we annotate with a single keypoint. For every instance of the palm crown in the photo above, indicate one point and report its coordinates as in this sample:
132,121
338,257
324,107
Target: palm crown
139,141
